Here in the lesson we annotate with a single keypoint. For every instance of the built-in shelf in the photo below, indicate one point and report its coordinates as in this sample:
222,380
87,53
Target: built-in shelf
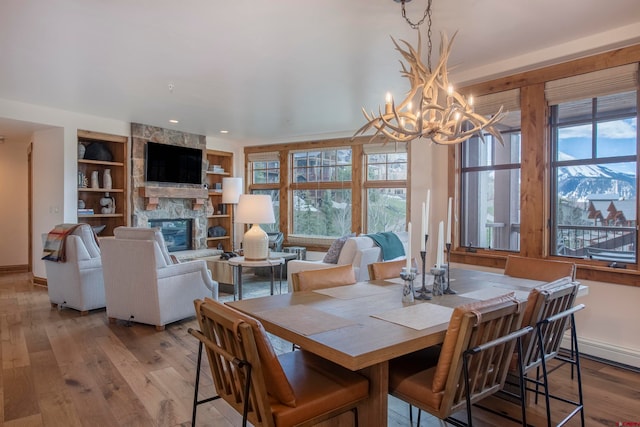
218,173
99,162
101,190
219,216
101,216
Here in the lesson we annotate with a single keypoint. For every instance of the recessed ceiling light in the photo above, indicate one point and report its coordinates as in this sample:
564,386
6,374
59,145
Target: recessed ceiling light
174,121
224,131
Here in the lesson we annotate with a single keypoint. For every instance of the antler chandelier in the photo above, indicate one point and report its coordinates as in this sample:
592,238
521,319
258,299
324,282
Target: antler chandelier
431,109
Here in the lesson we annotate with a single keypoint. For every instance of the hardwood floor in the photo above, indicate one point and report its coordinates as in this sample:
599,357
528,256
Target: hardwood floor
63,369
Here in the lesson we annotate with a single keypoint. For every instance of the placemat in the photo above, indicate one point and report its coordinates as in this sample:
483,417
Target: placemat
304,320
417,316
495,291
417,283
358,290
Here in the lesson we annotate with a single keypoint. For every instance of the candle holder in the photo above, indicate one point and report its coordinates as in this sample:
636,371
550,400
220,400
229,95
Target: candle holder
407,288
438,280
423,293
448,289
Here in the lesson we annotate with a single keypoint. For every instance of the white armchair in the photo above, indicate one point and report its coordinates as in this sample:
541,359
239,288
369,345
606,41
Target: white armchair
142,284
77,283
358,251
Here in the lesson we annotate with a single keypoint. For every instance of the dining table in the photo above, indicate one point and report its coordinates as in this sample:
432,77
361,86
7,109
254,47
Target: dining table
363,326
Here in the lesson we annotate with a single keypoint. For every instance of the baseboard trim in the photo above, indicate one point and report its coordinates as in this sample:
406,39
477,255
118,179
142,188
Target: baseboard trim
606,351
39,281
10,269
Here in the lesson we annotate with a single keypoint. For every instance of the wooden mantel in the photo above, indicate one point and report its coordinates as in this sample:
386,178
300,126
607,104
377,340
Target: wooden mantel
153,195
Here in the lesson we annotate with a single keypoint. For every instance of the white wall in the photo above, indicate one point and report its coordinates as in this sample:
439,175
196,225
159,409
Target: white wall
13,203
55,164
48,193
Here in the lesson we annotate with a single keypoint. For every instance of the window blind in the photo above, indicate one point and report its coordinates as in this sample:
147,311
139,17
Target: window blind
590,85
382,148
273,156
489,104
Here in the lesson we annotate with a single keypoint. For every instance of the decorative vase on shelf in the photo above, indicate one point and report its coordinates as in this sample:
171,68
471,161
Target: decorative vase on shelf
81,150
108,204
106,180
94,180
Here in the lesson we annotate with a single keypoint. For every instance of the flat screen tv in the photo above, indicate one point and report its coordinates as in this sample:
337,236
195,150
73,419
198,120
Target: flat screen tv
173,164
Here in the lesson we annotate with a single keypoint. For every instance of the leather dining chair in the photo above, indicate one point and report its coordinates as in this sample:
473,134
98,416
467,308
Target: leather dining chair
310,280
550,309
538,269
296,388
471,364
387,269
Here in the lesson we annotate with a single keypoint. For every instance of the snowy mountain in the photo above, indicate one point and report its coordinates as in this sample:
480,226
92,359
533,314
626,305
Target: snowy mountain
579,182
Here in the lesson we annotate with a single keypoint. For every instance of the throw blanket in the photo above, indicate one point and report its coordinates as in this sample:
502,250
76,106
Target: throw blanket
390,245
54,246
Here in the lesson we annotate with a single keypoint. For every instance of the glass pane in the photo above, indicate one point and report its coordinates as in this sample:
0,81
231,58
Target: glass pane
386,209
275,198
574,142
321,213
491,153
377,172
618,103
596,211
491,209
322,166
392,166
265,172
616,138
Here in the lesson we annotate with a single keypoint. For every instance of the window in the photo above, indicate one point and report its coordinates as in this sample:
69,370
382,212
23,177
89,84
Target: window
385,206
490,180
264,178
594,177
321,192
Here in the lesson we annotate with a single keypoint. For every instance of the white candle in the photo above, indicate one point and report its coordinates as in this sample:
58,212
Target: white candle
426,221
424,225
449,221
440,251
409,248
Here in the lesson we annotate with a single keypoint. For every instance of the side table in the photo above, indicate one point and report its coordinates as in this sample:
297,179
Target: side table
238,262
300,251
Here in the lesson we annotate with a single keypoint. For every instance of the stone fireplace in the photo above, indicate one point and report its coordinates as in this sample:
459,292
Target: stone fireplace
165,202
177,233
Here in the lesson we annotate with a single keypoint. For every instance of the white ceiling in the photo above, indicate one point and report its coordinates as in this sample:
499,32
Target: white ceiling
273,71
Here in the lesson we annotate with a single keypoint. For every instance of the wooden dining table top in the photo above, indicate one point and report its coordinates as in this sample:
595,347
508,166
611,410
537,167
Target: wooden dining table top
361,325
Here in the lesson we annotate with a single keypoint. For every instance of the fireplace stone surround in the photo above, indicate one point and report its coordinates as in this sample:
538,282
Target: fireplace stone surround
173,206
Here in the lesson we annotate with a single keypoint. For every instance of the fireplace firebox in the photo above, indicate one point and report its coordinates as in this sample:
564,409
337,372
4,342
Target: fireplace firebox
177,233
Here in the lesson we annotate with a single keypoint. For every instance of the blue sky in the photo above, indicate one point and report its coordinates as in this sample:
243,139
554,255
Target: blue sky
615,138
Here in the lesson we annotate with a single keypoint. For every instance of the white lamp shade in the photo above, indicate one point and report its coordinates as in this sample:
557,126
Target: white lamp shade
255,209
231,190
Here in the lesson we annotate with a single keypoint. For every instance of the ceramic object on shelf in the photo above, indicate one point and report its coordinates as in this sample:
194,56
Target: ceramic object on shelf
106,179
94,180
81,150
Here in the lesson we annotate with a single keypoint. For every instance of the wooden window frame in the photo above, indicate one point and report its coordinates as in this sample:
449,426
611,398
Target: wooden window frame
535,190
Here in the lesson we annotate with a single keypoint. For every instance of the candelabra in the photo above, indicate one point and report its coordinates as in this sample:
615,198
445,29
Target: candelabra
448,289
407,289
438,279
423,293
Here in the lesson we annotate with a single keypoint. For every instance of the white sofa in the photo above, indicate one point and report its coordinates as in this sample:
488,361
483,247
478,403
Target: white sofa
142,284
77,283
358,251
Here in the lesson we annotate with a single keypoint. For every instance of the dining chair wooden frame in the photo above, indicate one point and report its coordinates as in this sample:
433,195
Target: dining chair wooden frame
387,269
481,356
538,269
550,311
243,374
310,280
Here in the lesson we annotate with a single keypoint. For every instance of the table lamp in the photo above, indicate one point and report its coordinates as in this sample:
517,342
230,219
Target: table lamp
255,209
231,191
